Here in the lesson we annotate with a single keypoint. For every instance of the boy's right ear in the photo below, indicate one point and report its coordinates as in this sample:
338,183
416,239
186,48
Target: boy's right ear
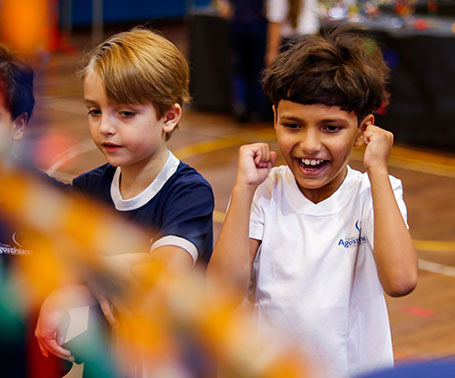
172,118
367,121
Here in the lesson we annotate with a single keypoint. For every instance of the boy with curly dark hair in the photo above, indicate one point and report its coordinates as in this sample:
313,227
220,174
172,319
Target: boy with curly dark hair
315,241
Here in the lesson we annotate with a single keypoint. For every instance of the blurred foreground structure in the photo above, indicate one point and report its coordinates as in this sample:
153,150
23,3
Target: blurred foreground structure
169,326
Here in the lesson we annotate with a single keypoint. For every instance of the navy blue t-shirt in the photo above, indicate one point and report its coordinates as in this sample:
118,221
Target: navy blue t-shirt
177,206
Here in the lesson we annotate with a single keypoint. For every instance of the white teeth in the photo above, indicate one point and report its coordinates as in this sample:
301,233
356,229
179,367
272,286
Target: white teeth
311,162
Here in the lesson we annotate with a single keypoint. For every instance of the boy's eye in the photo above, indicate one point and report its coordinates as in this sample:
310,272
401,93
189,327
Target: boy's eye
127,114
292,126
94,112
332,128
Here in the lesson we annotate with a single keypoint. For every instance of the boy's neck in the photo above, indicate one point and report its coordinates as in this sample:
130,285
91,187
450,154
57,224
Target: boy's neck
136,178
321,194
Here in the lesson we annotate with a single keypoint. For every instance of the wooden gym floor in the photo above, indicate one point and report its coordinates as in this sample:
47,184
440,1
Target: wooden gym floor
423,323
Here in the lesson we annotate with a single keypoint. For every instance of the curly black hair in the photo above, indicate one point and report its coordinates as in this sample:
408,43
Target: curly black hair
342,67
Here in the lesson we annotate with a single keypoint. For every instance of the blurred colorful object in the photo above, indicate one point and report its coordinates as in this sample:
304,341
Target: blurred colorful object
168,325
405,8
353,10
24,24
48,148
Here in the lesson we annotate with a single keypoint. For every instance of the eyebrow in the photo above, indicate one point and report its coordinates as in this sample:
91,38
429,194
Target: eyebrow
335,120
326,120
90,102
290,118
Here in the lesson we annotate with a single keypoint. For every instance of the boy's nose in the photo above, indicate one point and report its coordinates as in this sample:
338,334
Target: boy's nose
310,142
106,127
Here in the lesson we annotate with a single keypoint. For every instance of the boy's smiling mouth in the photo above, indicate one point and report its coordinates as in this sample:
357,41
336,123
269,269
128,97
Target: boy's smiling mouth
311,166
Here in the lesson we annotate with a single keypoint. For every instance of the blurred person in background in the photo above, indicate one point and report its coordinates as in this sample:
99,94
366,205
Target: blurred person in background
289,19
248,30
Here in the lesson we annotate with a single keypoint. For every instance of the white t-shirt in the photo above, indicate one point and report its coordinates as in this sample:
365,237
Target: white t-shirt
307,20
315,272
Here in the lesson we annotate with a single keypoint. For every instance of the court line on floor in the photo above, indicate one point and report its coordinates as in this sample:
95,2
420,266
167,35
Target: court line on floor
71,153
417,165
215,145
433,245
433,267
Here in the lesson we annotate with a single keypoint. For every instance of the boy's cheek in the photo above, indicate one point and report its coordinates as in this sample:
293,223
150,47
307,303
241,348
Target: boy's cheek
6,132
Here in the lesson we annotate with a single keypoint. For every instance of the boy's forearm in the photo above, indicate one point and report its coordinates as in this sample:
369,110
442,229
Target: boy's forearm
395,255
231,256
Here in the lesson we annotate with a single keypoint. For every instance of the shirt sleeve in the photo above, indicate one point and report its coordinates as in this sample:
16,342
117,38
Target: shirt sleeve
369,217
398,192
257,215
187,221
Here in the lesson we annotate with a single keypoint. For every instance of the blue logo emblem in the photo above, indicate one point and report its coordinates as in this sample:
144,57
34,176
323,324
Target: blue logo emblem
353,241
358,225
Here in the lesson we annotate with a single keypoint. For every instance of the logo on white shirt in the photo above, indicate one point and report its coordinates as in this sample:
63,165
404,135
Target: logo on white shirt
354,241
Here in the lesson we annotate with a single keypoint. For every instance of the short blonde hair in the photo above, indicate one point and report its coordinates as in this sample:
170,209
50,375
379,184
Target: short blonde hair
141,67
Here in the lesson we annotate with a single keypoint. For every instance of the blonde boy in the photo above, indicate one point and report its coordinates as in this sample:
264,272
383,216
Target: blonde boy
135,85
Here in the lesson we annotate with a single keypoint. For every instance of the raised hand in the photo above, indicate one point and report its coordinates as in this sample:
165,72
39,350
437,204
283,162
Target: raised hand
255,162
379,143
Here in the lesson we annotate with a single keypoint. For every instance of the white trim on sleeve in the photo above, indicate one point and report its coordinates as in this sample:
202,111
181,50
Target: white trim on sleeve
178,242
